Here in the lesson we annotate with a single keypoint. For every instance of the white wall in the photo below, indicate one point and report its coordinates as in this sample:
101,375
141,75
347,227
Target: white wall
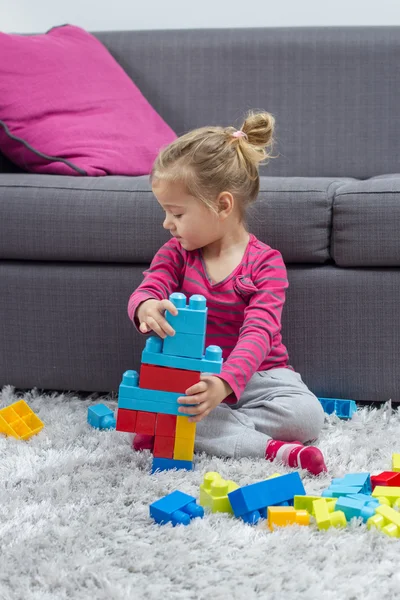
36,16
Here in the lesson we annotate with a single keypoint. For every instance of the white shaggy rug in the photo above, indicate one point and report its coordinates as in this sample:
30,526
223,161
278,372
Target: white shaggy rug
74,520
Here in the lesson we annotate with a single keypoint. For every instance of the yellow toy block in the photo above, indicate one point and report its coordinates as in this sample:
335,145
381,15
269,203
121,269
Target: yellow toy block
387,520
185,429
281,516
183,449
326,519
396,463
306,503
19,421
214,492
387,495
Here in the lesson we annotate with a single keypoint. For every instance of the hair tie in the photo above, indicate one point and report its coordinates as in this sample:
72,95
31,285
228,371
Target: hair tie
239,134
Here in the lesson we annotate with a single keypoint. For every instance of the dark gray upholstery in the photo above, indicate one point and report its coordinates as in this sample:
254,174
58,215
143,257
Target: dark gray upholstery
73,248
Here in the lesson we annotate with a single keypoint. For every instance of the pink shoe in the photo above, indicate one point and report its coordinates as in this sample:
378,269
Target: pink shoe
142,441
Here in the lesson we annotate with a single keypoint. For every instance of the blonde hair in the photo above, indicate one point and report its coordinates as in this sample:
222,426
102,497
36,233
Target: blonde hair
211,160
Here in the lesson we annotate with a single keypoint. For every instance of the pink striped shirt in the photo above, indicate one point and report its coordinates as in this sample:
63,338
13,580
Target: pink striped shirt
244,309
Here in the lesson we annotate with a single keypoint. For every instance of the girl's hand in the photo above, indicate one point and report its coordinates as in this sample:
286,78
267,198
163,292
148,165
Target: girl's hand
150,315
206,394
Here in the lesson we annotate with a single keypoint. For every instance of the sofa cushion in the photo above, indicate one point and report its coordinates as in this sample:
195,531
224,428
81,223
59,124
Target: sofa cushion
117,219
68,107
366,217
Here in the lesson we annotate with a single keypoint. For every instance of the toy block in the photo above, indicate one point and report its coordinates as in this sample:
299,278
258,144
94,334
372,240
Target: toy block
146,423
396,463
176,508
344,409
152,355
126,420
166,425
101,417
364,499
214,493
167,379
163,447
354,479
306,503
250,502
185,429
326,519
129,389
19,421
386,478
353,508
387,520
189,345
335,491
281,516
166,464
183,449
192,317
387,494
165,408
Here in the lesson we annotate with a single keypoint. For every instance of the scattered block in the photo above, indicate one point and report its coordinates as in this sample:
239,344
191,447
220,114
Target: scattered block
19,421
176,508
386,478
281,516
214,492
386,520
326,519
344,409
101,417
396,463
351,507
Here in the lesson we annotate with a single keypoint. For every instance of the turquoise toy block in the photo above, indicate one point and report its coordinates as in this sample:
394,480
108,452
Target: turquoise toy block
101,417
189,345
335,491
152,355
176,508
192,317
164,408
355,479
166,464
344,409
353,508
251,501
365,499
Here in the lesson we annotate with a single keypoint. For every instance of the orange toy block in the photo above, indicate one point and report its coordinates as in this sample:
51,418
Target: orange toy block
146,422
281,516
126,420
19,421
167,379
163,447
166,425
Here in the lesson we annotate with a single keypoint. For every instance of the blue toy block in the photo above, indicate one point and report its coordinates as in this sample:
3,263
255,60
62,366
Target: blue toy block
163,408
166,464
189,345
176,508
101,417
152,355
191,318
344,409
365,499
335,491
251,501
355,479
353,508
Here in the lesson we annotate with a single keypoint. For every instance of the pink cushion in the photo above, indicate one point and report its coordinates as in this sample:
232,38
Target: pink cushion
64,96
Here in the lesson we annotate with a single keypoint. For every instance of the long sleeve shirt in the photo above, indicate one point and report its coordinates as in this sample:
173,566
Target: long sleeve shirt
244,309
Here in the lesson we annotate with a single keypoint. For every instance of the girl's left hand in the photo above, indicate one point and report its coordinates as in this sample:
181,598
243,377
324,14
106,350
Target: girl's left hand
206,394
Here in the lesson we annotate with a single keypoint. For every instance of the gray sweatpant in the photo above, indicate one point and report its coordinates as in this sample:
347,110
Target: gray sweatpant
276,404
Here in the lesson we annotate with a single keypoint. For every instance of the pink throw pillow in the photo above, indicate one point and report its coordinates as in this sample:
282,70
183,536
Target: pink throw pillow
67,107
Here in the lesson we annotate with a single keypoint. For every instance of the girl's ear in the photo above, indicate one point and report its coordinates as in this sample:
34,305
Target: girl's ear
225,204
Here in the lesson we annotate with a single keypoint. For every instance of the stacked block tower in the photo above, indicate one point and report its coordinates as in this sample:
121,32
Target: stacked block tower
148,404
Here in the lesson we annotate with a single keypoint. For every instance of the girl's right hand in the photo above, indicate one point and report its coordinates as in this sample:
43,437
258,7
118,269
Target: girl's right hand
150,315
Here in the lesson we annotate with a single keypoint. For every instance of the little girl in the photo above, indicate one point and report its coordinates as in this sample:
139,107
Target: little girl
258,406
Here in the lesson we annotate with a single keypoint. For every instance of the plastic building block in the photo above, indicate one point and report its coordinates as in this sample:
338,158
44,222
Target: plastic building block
192,317
387,520
250,502
389,478
163,446
166,408
166,425
189,345
364,499
306,503
387,495
335,491
214,493
185,428
19,421
326,519
176,508
354,479
146,423
126,420
211,363
183,448
165,464
344,409
396,463
353,508
166,379
101,417
281,516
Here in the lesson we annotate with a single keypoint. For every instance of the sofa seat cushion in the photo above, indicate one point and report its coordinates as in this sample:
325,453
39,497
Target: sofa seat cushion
366,217
117,219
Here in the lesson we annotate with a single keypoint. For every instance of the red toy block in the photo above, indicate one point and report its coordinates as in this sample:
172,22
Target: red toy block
166,379
126,420
146,422
389,478
163,446
166,425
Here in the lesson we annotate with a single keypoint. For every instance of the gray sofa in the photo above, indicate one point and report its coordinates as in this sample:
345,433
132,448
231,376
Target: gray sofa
72,249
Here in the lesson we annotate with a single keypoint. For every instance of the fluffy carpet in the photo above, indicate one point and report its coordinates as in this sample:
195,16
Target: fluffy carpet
74,519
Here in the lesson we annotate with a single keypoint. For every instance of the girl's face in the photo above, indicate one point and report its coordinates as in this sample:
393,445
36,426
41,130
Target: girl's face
189,220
